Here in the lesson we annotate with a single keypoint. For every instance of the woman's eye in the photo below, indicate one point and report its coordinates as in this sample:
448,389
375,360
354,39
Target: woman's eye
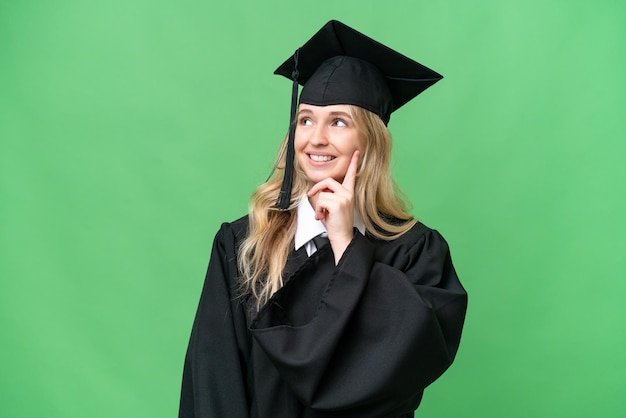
340,123
306,122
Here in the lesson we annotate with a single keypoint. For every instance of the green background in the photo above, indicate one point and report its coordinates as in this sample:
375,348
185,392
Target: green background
130,129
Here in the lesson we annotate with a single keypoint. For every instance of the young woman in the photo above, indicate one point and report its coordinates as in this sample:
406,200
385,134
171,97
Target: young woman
333,301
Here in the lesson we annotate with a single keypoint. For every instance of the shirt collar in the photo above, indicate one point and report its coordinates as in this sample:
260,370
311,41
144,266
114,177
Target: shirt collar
307,227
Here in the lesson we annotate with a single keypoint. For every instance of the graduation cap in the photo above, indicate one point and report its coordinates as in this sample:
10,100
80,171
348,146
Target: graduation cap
340,65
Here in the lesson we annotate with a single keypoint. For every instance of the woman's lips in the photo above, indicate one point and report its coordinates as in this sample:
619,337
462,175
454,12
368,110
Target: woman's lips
321,158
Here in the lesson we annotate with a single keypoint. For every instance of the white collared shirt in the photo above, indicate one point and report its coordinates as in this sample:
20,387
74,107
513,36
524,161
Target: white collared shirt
307,227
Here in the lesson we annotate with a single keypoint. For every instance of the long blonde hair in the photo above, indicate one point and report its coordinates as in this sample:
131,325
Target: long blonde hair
382,206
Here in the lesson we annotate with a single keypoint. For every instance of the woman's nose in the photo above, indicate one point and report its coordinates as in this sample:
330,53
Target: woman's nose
320,136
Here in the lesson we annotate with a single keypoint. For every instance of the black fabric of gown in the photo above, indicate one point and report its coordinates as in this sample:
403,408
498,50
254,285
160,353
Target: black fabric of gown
360,339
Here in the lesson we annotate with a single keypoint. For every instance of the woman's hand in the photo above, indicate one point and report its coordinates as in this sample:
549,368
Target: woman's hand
333,203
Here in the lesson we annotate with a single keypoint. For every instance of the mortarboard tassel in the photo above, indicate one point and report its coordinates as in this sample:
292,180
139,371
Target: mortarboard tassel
284,197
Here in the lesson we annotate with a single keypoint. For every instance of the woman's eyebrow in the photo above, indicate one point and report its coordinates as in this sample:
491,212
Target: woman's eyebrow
333,114
340,113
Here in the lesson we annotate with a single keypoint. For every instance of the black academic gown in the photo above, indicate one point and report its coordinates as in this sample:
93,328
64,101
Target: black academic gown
360,339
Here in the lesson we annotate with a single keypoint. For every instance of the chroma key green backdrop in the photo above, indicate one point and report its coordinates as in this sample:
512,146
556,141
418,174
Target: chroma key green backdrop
129,130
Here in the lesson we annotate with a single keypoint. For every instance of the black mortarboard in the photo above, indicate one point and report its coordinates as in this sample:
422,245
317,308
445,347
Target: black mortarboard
339,65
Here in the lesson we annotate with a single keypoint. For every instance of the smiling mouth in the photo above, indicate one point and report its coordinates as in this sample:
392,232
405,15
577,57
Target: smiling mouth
321,158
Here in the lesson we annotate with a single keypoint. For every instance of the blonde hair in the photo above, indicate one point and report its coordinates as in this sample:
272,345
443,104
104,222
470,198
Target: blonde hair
382,206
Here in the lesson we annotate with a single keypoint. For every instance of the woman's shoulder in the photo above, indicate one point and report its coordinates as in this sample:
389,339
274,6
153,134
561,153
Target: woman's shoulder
422,231
420,244
419,235
237,229
240,224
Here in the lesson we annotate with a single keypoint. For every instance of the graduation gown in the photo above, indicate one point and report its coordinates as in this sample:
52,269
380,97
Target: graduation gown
360,339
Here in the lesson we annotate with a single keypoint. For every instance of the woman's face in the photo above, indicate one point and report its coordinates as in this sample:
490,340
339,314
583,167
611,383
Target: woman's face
325,140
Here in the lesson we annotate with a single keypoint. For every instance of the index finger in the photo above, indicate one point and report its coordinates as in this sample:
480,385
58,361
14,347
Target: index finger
350,177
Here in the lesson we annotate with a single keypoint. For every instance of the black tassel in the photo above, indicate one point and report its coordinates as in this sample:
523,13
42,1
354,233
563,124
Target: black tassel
284,197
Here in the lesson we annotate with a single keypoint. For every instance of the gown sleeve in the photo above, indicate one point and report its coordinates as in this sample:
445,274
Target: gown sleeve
387,324
214,372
